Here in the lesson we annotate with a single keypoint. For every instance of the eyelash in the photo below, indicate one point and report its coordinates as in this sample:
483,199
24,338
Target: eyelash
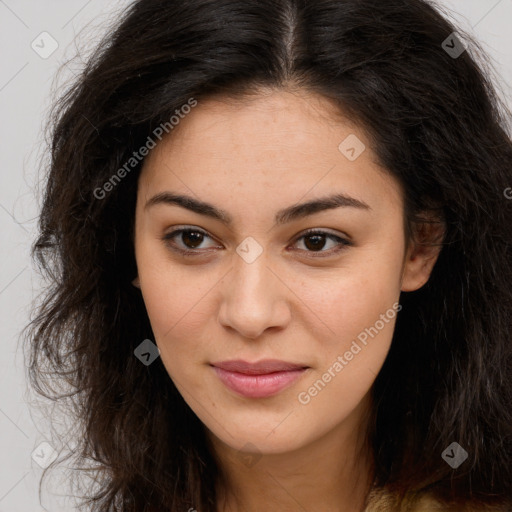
312,232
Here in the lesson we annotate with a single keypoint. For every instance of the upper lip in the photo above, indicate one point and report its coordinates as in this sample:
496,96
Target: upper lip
258,368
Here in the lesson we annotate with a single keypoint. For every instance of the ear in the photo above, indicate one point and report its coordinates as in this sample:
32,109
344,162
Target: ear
136,282
423,251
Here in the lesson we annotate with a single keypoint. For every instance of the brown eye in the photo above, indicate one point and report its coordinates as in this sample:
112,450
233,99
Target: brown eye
190,240
315,241
187,241
193,238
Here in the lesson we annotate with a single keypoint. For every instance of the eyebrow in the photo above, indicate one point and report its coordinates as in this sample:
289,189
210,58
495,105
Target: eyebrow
289,214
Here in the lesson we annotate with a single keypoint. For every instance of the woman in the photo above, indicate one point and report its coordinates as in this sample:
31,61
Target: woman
279,239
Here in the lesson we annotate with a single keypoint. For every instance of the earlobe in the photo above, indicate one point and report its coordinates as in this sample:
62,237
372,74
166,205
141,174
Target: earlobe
422,254
136,282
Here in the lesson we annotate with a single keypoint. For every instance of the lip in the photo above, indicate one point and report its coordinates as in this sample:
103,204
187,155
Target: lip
260,379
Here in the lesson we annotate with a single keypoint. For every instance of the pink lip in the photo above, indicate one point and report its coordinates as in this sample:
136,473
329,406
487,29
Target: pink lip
258,380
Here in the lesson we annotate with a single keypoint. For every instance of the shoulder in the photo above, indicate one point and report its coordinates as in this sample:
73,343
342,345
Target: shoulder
381,500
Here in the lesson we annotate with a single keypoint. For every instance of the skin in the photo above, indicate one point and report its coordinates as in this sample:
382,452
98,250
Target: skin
251,159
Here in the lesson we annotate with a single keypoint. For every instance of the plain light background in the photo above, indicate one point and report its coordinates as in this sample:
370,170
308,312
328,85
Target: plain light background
26,74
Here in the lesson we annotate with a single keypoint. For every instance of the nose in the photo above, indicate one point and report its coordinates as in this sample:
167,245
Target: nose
255,298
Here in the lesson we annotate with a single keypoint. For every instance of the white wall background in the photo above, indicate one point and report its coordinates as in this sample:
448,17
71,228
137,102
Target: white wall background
25,88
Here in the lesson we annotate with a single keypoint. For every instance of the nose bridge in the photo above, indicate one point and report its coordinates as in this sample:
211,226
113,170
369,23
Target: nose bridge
252,279
253,299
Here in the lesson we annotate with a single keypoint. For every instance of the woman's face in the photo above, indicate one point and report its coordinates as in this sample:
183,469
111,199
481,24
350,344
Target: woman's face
255,285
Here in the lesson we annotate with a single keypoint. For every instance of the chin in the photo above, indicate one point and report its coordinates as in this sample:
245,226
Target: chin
259,442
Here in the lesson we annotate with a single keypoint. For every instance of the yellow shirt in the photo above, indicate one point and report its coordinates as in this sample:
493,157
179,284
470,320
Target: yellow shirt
381,500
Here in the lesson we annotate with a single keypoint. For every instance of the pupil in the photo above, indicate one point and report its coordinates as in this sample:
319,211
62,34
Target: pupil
190,234
318,238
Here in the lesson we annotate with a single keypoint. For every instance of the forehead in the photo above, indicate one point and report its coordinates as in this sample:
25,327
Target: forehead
290,143
274,121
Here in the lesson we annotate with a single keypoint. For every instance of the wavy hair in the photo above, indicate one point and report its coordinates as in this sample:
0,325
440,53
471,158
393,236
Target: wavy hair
436,123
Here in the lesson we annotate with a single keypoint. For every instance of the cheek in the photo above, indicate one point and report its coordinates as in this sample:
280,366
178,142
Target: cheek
173,311
360,307
362,322
172,299
351,299
348,365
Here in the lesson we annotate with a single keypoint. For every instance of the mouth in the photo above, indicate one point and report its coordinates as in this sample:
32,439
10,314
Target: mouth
258,380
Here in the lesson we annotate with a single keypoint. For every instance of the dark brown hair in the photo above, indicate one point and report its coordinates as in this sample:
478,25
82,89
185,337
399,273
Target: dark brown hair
435,123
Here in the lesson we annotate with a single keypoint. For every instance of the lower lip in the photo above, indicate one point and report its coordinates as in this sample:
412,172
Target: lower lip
258,386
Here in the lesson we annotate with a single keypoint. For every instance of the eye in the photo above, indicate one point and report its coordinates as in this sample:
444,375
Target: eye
315,241
190,236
